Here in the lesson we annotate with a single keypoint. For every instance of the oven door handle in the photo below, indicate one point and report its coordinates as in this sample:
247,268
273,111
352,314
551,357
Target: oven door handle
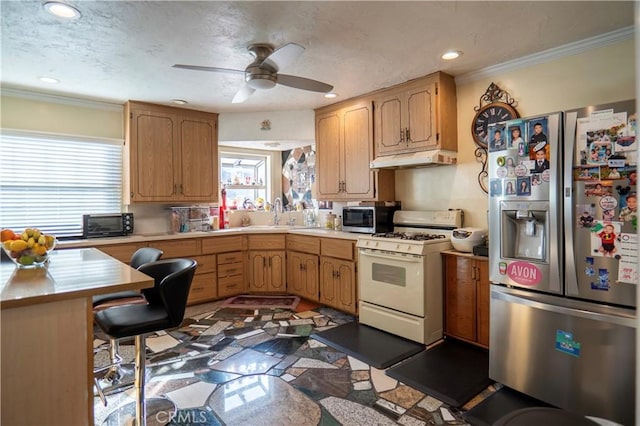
370,253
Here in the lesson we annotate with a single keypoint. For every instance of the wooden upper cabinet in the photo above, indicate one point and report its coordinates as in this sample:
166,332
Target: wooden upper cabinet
418,115
328,145
153,144
344,149
199,159
171,154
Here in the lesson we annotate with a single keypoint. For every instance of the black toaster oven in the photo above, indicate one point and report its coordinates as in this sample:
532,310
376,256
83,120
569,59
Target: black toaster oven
107,225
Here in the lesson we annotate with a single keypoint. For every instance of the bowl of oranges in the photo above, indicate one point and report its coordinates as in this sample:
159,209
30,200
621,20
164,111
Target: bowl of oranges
28,249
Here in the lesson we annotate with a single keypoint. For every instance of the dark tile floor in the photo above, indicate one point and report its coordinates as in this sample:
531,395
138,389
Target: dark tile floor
259,367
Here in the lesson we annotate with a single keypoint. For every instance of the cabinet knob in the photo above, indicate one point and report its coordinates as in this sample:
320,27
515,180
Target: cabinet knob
406,135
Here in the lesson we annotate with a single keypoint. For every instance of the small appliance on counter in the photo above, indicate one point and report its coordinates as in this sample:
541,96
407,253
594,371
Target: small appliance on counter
465,239
107,225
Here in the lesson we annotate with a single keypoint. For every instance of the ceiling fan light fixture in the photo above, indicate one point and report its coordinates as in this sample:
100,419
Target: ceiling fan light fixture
261,82
49,80
62,10
451,54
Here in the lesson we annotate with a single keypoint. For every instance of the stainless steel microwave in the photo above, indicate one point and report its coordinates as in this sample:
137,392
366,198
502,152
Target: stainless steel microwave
107,225
368,219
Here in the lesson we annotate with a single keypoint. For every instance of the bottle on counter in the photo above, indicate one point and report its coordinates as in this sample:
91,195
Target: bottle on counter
222,220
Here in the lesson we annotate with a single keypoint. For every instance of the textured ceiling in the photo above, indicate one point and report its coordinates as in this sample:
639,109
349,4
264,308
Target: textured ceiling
123,50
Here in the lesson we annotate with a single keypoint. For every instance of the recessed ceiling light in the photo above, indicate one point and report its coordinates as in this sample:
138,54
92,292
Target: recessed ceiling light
330,95
179,101
49,80
62,10
452,54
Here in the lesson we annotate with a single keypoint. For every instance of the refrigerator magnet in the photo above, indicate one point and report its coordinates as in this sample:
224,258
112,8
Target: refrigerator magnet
495,187
566,344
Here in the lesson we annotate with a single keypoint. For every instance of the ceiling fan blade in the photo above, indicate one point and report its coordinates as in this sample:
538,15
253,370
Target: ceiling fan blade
283,56
242,94
200,68
304,83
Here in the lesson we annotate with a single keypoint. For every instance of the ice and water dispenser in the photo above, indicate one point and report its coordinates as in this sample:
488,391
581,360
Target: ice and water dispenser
524,231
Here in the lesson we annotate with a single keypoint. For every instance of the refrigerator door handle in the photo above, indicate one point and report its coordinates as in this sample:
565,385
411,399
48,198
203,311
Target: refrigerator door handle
526,300
570,272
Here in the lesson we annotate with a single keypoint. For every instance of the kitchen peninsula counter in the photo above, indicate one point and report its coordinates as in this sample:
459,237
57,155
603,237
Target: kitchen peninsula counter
47,334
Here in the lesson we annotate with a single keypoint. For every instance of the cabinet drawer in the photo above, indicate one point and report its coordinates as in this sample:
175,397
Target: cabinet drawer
303,244
181,248
221,244
230,269
203,287
233,257
122,252
267,242
206,264
342,249
230,286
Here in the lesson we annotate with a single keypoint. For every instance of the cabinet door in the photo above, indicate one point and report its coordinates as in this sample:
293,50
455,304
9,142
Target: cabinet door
257,270
328,271
357,151
460,297
483,291
420,118
295,274
122,252
328,147
346,286
310,277
203,287
199,160
277,281
154,156
389,133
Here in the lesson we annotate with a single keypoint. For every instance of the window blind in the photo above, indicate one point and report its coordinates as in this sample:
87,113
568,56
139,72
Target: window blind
49,181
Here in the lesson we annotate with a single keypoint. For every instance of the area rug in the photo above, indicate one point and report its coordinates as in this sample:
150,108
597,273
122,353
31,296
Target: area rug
499,404
262,302
375,347
453,372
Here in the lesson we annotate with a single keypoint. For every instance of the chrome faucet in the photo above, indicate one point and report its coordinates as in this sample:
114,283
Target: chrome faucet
277,203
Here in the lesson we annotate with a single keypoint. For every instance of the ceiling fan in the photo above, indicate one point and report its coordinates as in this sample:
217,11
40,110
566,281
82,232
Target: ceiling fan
262,73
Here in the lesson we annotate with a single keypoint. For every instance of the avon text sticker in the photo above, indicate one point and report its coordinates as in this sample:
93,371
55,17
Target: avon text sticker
524,273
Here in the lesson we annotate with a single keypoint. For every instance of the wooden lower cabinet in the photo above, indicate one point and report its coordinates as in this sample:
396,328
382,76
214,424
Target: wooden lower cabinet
302,275
268,271
338,284
467,298
122,252
231,277
203,288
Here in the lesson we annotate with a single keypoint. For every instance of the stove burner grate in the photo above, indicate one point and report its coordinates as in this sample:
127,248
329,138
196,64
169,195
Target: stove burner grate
409,236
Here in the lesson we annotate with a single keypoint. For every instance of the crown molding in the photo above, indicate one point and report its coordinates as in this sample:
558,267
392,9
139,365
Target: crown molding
59,99
626,33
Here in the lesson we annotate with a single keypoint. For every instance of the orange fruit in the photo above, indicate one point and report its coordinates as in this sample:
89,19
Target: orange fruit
7,234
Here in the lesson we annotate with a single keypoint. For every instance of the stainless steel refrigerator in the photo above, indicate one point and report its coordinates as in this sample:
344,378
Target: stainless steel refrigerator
563,258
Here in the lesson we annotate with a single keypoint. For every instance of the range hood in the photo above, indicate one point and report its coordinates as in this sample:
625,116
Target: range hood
436,157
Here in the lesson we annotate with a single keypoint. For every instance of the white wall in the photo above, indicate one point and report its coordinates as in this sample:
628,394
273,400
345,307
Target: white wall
596,76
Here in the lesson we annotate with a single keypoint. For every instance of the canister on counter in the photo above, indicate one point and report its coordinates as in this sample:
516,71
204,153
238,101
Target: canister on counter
330,221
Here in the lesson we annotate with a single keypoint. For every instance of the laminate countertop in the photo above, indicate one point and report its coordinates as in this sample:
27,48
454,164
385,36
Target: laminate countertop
69,274
248,230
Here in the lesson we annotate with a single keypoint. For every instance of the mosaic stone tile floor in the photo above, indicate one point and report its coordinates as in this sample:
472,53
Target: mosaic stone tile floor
260,367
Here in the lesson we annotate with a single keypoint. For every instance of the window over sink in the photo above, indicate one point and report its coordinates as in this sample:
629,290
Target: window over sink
49,181
246,179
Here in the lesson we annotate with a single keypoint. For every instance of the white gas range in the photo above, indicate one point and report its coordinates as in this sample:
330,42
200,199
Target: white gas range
400,274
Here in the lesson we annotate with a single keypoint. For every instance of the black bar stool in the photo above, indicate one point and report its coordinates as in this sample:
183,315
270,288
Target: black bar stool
167,302
117,375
